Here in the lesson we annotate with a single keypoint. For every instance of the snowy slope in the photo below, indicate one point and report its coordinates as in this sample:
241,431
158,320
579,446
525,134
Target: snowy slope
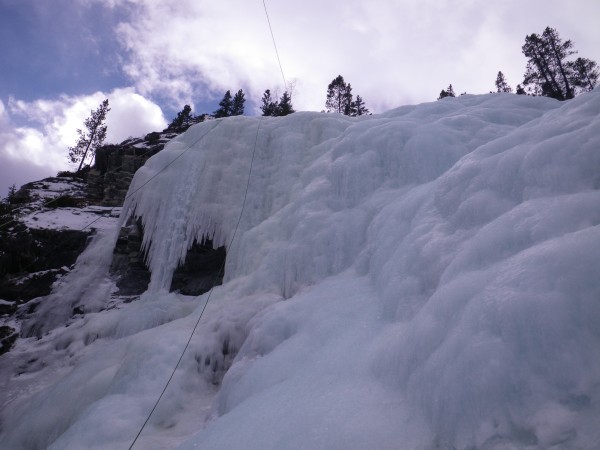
35,214
424,278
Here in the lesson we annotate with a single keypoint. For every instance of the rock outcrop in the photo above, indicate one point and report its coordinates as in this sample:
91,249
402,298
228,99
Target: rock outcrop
201,270
46,229
34,250
109,179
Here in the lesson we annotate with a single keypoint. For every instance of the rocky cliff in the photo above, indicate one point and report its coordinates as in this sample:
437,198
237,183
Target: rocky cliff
46,225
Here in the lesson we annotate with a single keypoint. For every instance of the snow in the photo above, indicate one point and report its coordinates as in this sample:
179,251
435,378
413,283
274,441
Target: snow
89,217
423,278
35,214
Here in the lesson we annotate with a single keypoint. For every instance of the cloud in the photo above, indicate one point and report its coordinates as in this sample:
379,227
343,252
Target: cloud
35,136
393,52
14,170
132,115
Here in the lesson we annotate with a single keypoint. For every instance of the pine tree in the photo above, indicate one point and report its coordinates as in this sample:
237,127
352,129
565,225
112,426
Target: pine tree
6,205
183,120
226,106
585,74
12,191
358,107
559,51
548,72
284,107
268,106
93,137
237,109
337,97
448,92
501,84
340,98
348,101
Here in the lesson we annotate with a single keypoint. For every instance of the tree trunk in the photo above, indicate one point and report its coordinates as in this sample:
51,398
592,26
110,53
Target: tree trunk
86,149
569,93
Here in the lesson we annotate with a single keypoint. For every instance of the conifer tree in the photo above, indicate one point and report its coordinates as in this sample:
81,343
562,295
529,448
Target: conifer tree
585,74
337,97
6,205
284,107
448,92
501,84
12,191
268,106
183,120
348,102
237,108
225,106
340,98
358,107
549,73
92,138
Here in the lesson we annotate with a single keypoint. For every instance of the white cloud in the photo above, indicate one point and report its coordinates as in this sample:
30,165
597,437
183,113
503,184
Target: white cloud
15,169
392,51
50,128
132,115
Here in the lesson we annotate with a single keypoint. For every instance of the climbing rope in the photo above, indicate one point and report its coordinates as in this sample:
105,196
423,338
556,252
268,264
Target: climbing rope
230,245
130,194
209,292
274,44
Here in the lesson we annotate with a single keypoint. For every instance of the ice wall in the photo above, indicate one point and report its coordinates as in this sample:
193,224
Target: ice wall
316,179
425,278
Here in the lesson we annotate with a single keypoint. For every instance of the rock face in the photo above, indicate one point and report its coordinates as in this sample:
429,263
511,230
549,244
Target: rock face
202,269
32,258
44,239
108,183
31,245
34,255
115,165
128,260
8,336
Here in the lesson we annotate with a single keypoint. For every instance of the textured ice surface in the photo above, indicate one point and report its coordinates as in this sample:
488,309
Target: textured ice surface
424,278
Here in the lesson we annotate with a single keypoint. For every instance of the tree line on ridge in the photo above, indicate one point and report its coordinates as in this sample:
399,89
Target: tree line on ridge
548,73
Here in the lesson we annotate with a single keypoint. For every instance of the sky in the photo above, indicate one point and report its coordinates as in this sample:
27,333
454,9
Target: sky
61,58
